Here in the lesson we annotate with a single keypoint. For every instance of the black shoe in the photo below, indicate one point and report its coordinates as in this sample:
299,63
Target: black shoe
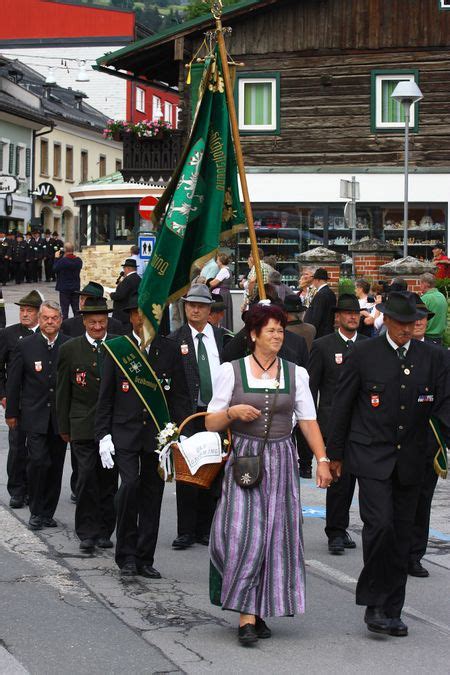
73,498
247,634
416,569
87,545
305,471
336,545
348,541
183,541
203,540
397,628
376,620
262,629
49,522
149,572
104,542
129,569
17,502
35,523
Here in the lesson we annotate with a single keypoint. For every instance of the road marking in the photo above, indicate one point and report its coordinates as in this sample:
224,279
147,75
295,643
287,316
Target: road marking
330,571
427,619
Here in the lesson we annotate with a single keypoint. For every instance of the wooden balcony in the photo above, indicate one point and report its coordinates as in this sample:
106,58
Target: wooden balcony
151,160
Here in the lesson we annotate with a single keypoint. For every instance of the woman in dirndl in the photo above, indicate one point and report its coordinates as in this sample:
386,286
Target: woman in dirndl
256,543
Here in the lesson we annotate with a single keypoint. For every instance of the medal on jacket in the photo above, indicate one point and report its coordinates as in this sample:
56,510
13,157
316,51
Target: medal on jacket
125,386
184,349
338,358
165,382
80,378
38,366
375,400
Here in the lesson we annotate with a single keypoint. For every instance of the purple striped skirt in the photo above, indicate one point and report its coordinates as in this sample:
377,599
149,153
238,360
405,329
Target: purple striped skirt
256,541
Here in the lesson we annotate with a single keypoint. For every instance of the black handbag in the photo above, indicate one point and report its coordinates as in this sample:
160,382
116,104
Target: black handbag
248,471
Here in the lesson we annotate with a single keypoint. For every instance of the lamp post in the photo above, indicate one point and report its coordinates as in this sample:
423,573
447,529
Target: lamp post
406,93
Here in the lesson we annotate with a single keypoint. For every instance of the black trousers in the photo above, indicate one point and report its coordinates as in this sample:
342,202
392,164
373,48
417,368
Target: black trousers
95,490
422,518
338,500
74,474
48,267
138,504
46,453
29,271
387,510
16,466
3,271
66,300
19,272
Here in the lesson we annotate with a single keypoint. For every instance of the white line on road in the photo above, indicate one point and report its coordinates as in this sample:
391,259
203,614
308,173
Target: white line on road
331,572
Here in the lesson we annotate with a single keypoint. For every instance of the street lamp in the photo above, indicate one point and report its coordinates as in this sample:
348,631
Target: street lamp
406,93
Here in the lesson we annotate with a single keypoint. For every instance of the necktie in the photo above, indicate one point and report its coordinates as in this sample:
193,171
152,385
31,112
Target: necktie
401,353
349,344
204,371
100,356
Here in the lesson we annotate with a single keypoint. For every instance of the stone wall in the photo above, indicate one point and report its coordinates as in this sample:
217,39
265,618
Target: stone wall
102,265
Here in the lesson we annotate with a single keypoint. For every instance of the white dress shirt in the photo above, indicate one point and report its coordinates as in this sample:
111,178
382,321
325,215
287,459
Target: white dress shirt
93,341
396,346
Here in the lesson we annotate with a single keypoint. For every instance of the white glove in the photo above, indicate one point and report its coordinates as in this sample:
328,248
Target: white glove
106,451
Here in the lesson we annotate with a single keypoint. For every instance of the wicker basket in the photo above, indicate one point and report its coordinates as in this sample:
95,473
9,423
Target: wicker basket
206,474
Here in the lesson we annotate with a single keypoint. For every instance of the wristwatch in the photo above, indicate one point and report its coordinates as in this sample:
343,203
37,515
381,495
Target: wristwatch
324,459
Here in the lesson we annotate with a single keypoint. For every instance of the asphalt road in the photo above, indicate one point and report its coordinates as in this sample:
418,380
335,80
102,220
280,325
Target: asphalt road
65,612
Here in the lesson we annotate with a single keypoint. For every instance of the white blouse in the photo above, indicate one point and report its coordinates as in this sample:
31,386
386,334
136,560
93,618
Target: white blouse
304,408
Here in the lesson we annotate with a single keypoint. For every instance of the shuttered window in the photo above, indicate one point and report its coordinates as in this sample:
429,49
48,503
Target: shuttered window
27,162
69,162
11,159
102,166
258,103
44,157
56,160
84,166
387,114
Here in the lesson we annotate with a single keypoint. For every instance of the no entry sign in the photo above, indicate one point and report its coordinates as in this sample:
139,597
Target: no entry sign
146,206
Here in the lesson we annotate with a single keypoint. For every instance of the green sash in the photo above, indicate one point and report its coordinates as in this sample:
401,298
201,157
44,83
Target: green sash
141,376
440,459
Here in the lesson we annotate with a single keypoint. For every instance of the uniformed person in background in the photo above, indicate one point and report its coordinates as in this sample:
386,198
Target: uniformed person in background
78,384
19,252
326,360
5,255
48,255
31,401
29,258
35,256
16,466
127,433
389,387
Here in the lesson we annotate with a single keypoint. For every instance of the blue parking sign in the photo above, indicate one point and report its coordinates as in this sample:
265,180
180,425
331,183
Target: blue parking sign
146,246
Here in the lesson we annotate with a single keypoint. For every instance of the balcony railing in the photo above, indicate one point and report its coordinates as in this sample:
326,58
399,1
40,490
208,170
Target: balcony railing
151,160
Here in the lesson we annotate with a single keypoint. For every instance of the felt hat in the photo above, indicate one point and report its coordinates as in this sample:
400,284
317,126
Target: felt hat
422,306
321,274
31,299
198,293
293,304
92,290
130,262
401,306
218,304
347,302
95,305
133,303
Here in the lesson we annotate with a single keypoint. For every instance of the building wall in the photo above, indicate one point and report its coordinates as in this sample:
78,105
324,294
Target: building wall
15,135
135,114
64,216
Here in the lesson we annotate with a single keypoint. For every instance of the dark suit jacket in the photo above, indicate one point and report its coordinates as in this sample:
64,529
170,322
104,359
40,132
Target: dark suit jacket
77,388
120,411
67,270
122,296
294,348
189,361
320,313
382,406
324,371
31,384
74,327
9,337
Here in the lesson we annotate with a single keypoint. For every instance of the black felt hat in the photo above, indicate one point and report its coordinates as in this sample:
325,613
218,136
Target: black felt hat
293,304
95,305
347,302
133,303
130,262
218,304
321,274
422,306
401,306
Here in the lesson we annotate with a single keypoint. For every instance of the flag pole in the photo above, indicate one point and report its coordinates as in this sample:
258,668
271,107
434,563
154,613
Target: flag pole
216,10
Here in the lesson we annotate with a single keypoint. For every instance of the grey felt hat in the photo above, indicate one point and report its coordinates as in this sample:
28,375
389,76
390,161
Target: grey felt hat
199,293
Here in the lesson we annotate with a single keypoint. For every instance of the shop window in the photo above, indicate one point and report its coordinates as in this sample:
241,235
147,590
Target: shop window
56,160
84,166
140,99
124,223
44,157
258,102
100,224
69,162
387,114
102,166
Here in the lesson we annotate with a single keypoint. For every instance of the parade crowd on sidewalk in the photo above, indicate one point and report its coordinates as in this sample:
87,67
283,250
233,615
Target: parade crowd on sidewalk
350,381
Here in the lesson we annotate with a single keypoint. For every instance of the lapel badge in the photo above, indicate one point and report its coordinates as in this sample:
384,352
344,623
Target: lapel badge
407,371
38,366
80,378
338,358
125,386
184,349
375,400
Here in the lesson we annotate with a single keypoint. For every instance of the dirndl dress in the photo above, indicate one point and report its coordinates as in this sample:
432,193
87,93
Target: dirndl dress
256,544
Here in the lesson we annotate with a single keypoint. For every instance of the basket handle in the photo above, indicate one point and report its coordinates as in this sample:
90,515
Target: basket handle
202,414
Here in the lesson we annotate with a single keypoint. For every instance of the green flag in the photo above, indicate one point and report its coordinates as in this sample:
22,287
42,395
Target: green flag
200,205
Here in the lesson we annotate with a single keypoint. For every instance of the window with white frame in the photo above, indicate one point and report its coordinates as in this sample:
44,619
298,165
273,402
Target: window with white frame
258,97
444,4
156,108
20,160
177,117
388,114
4,155
140,99
167,112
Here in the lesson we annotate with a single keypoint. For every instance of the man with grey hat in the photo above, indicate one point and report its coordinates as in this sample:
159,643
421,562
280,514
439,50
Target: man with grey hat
78,385
201,346
389,388
16,466
125,291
